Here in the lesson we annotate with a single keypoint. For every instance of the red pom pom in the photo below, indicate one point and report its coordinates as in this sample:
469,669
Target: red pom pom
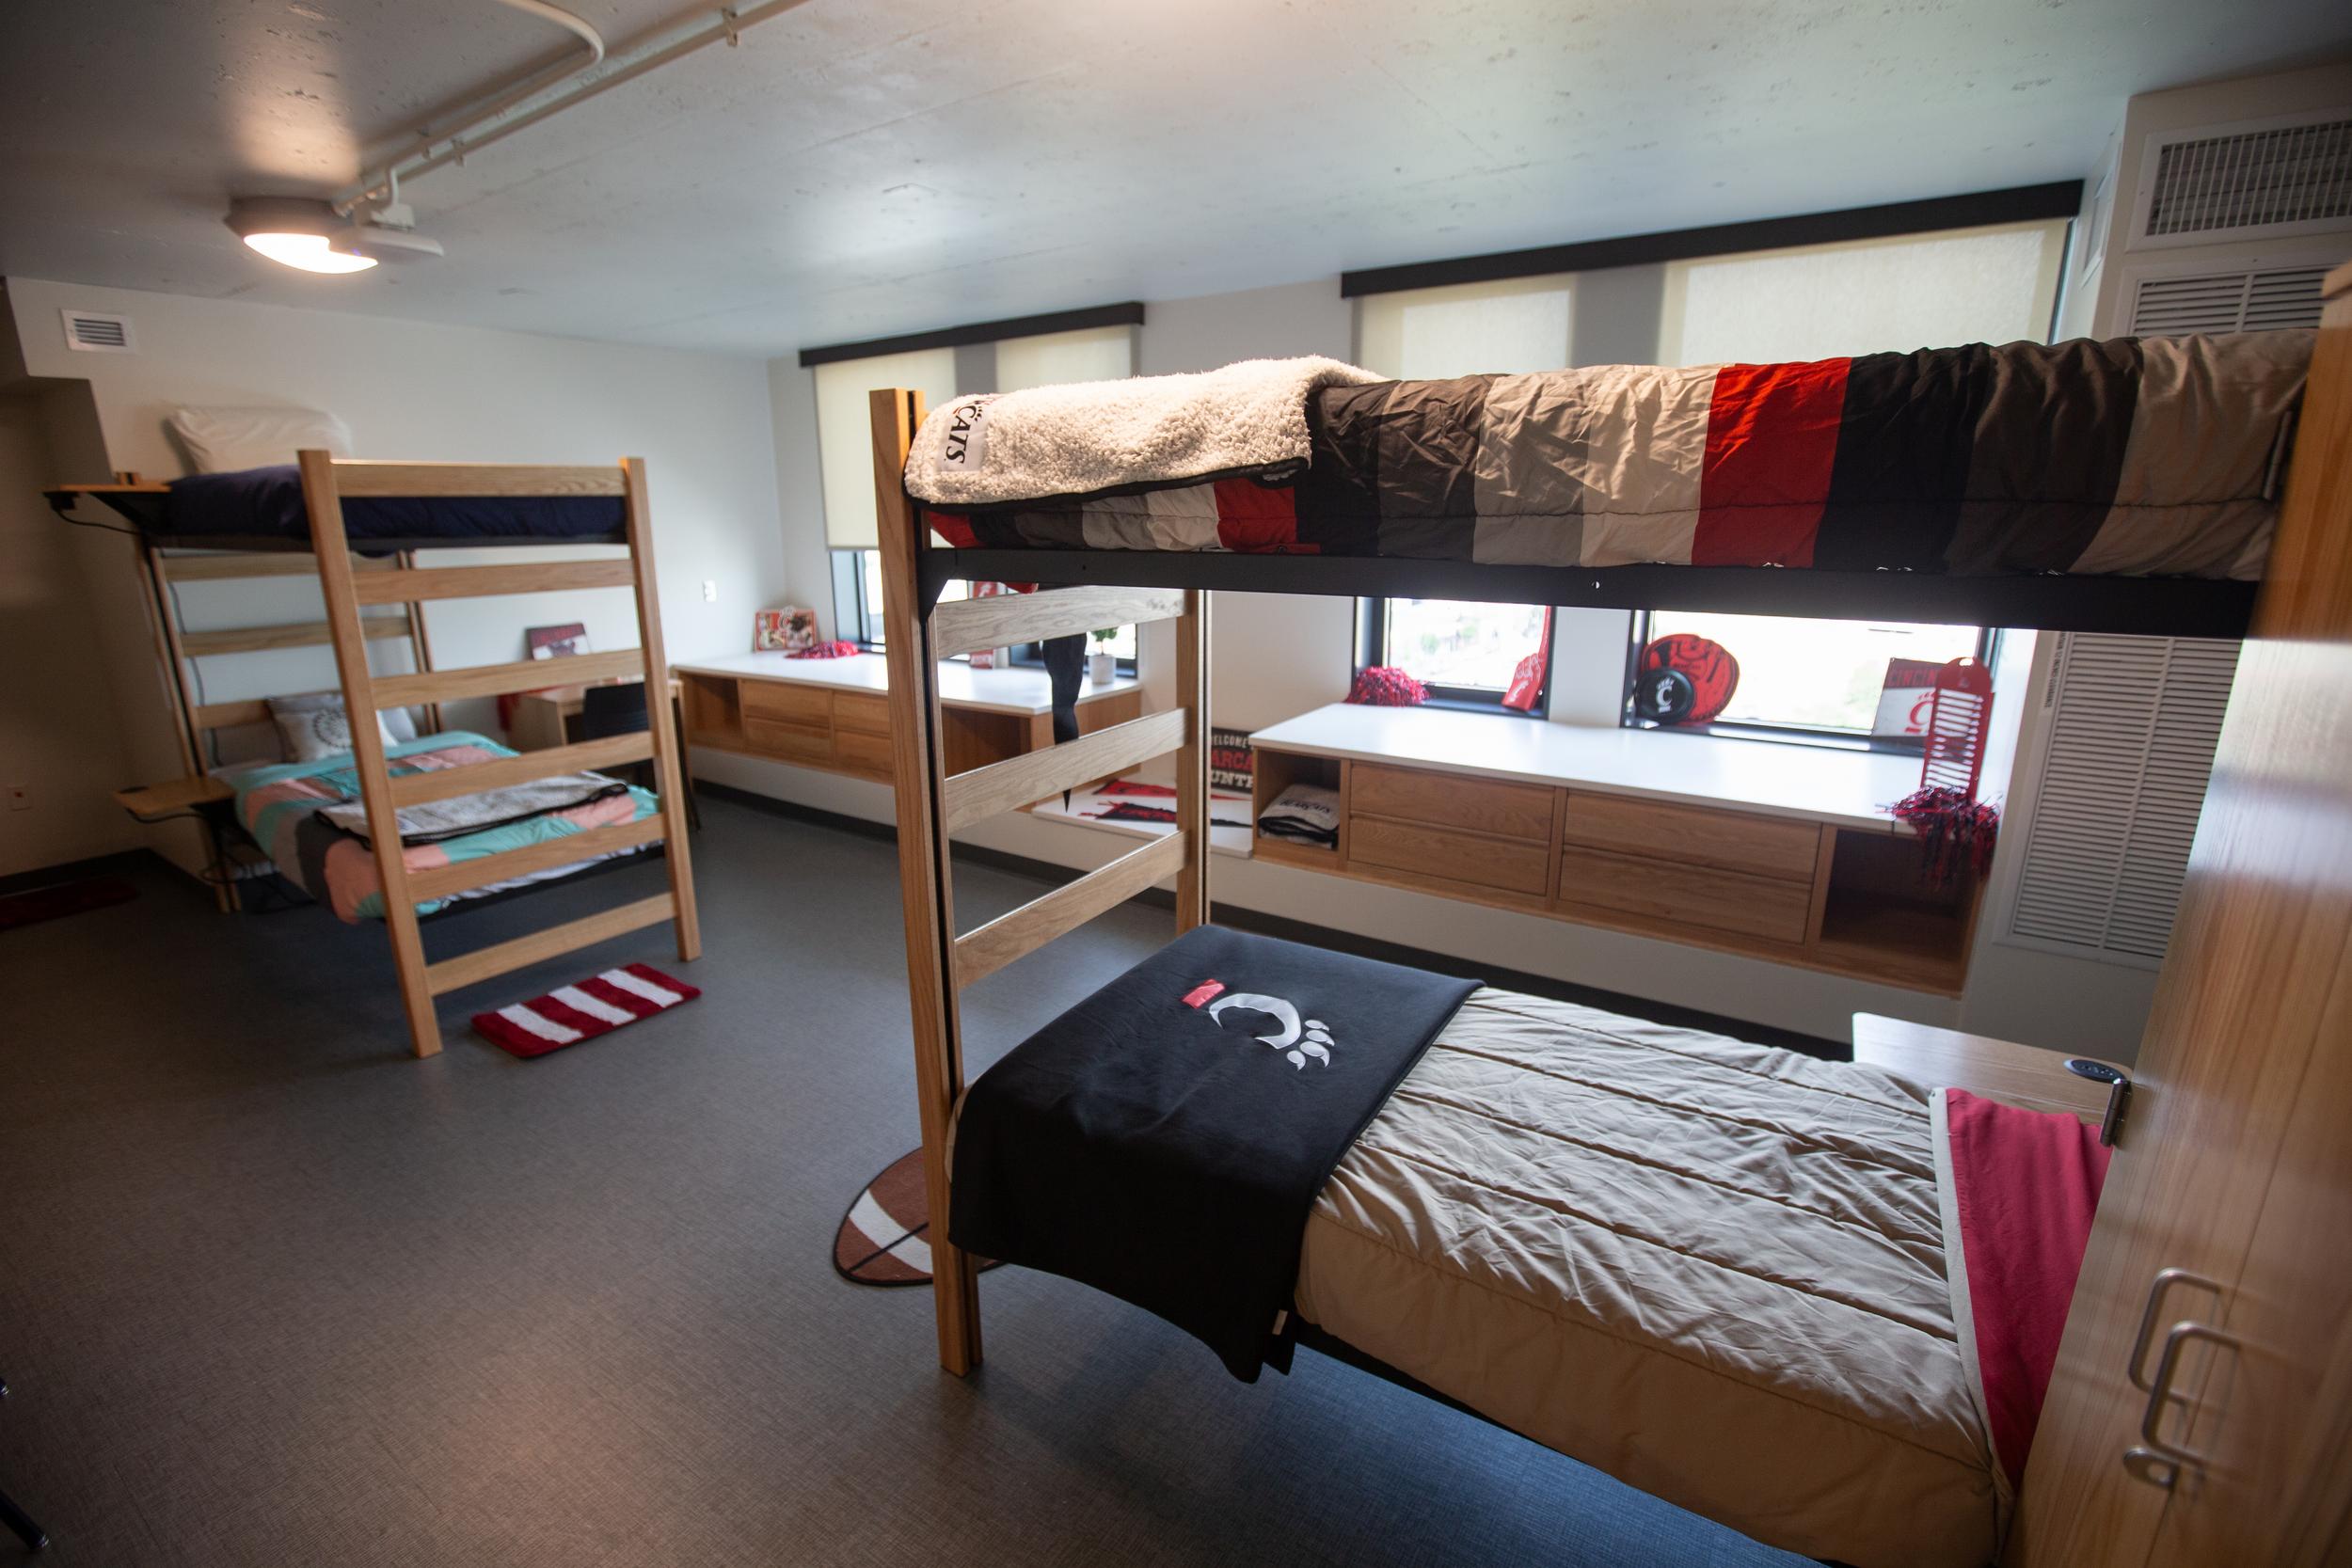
1384,686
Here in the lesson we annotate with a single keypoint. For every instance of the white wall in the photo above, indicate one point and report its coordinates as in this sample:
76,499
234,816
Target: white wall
58,738
412,390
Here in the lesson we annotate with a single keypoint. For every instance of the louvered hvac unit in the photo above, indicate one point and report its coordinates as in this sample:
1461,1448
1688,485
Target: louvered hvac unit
2123,777
2254,181
2246,301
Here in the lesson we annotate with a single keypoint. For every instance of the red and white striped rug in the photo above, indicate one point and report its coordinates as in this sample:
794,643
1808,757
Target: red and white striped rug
569,1014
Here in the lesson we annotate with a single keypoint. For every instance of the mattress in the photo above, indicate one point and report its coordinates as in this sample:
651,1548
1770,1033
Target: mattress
282,806
2131,457
1713,1269
255,504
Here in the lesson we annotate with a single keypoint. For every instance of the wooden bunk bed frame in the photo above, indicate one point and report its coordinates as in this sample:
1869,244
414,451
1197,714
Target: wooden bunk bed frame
353,584
2218,1063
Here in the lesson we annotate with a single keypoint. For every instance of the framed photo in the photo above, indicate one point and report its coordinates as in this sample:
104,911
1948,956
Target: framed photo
556,642
789,630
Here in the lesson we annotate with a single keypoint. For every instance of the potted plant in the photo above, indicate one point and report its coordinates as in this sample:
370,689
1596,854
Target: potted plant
1099,665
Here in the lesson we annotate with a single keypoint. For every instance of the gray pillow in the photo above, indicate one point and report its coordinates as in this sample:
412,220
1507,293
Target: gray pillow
316,727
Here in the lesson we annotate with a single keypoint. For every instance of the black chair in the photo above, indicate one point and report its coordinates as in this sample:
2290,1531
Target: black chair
609,710
19,1522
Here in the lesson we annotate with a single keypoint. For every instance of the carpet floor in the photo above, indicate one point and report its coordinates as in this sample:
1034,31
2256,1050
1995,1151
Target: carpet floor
272,1292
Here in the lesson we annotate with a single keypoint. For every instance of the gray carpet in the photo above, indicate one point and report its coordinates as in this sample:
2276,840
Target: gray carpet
272,1292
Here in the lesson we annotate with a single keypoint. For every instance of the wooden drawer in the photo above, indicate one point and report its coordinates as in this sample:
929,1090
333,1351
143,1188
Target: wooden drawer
861,710
1451,799
1497,862
792,742
1689,894
1776,846
861,753
797,704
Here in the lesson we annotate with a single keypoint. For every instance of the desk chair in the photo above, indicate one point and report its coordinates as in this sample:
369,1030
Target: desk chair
609,710
19,1522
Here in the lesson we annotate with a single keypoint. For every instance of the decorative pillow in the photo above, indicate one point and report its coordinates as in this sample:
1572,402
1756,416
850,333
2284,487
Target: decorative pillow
316,727
229,440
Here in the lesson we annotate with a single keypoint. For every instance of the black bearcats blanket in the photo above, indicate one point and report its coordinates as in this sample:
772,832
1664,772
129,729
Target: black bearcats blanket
1164,1139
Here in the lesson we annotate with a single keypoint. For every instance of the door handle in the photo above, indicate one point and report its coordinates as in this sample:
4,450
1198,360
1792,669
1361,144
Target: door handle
2155,1458
2165,1280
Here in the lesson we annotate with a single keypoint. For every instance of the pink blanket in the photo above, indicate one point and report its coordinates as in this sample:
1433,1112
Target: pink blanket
2025,1187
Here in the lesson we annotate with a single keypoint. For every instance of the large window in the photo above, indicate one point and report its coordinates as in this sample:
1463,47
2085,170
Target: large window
845,450
1816,679
1466,653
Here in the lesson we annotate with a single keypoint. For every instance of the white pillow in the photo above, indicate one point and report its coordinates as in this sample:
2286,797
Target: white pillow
316,727
226,440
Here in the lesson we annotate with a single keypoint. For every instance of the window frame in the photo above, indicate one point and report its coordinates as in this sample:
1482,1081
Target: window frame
1372,633
1639,636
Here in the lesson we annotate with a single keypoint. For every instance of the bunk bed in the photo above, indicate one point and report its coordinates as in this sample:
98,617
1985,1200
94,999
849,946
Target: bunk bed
358,525
1715,1270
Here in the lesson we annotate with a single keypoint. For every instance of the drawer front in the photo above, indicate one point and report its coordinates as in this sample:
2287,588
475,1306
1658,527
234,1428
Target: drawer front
1733,840
1451,799
1691,894
797,704
861,710
862,752
793,742
1496,862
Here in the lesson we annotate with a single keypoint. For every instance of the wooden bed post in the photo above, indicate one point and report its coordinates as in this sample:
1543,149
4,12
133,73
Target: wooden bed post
659,716
333,552
923,873
157,587
1194,809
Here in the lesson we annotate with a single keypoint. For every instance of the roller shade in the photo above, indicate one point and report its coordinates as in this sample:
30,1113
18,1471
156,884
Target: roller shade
845,440
1055,359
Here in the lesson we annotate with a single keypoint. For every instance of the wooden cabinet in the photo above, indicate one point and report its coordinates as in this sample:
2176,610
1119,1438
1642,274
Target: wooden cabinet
1849,901
810,725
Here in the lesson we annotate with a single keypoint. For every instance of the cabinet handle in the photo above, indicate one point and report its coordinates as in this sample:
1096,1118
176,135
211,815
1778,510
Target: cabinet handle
2157,1459
2165,1280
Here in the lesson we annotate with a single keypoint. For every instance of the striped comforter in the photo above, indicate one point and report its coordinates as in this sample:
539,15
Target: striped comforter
2129,457
283,805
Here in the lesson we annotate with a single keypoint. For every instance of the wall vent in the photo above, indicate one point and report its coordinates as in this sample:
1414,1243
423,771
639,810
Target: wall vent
2132,727
93,332
2259,180
2227,302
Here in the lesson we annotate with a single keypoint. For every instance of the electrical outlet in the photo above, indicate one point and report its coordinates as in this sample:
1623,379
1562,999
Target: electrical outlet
20,798
710,591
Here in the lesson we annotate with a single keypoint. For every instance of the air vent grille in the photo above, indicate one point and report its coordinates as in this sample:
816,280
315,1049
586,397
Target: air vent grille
92,332
2257,179
2133,730
2227,302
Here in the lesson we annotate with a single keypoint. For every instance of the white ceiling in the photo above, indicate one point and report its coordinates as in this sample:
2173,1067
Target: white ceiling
855,169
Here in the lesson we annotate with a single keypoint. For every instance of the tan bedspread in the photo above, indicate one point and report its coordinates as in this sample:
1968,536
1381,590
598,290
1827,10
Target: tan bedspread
1713,1269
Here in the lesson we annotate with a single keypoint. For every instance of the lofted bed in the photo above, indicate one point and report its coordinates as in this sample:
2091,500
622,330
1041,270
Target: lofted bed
1729,1275
482,823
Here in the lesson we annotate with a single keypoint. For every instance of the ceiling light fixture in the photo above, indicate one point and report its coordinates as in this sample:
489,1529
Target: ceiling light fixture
296,231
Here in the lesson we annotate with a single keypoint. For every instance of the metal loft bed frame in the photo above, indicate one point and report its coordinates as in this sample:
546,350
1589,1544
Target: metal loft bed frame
1096,588
351,585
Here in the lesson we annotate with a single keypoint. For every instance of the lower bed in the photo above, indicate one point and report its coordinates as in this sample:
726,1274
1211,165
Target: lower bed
290,809
1714,1270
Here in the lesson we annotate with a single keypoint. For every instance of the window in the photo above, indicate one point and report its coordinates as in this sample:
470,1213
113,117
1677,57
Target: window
1465,652
1996,285
845,444
1803,678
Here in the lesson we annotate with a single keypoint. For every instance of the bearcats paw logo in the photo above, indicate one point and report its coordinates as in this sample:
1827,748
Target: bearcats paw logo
1297,1039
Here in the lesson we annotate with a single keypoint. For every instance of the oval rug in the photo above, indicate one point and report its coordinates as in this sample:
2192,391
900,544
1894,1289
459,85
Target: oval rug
882,1238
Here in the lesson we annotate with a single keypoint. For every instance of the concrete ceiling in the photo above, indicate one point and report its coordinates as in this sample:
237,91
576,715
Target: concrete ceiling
855,169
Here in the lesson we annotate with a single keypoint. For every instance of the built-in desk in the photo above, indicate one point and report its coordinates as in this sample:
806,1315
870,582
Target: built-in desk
835,713
1774,851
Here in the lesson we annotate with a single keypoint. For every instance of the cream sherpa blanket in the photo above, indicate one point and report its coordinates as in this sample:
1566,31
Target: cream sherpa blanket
1097,435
